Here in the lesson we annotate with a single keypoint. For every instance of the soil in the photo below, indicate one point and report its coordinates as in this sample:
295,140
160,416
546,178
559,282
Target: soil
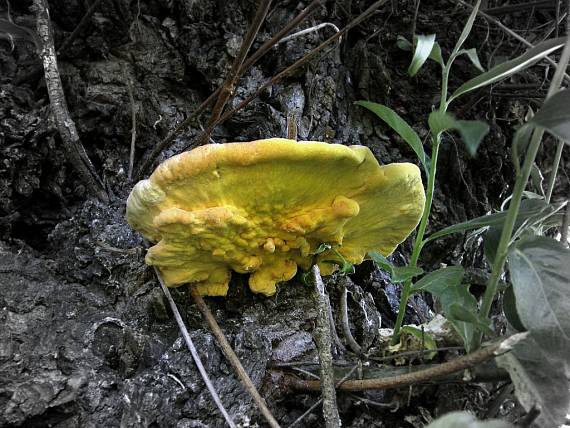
86,337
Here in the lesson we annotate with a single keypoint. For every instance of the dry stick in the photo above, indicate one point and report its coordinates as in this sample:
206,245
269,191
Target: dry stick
303,60
461,363
36,71
233,358
133,127
168,140
193,351
65,125
323,340
503,10
510,33
234,74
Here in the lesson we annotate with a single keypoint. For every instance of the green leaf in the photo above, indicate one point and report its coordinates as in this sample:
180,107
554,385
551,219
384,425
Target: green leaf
421,337
458,304
532,213
506,69
534,208
467,420
398,274
424,46
438,281
435,54
520,143
472,131
540,274
540,379
510,310
399,125
467,28
473,57
457,312
554,115
404,43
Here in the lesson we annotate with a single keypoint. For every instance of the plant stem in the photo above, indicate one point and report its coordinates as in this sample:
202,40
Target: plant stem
520,184
508,227
418,244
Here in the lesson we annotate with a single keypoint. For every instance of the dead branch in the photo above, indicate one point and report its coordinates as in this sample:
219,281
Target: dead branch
366,14
429,374
235,72
168,140
133,127
74,150
324,343
233,358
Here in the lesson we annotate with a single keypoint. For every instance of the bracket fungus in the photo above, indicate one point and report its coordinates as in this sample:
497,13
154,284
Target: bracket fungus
264,207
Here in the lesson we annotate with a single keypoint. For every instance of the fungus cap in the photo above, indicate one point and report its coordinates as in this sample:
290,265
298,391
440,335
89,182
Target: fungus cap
264,207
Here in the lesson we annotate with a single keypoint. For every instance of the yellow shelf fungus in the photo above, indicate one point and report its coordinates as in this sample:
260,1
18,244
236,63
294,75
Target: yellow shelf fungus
264,207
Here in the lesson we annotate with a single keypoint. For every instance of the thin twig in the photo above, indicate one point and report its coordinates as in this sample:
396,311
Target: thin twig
233,358
309,56
235,72
510,33
74,150
193,351
461,363
308,31
323,340
169,139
